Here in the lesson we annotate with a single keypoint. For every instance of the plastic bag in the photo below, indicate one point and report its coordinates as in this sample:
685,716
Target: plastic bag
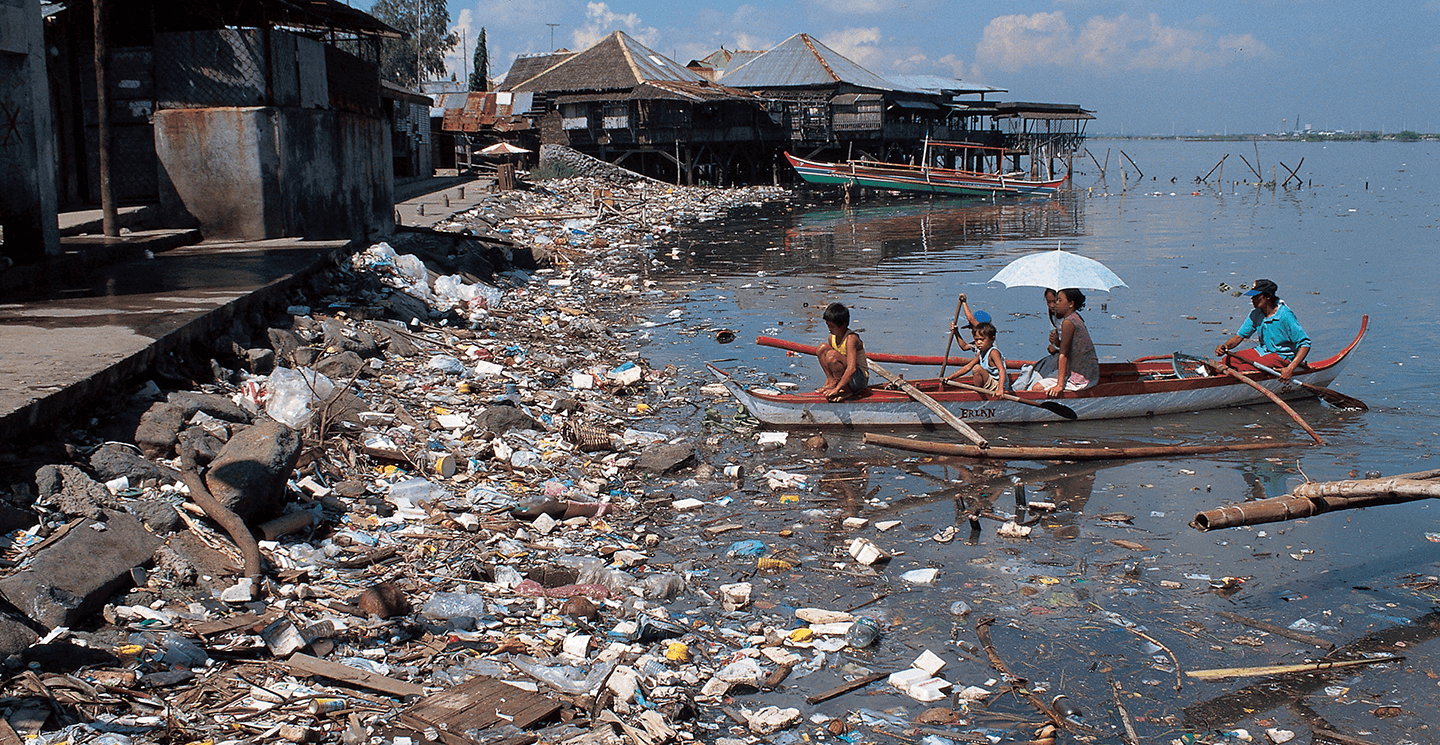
443,606
566,678
290,393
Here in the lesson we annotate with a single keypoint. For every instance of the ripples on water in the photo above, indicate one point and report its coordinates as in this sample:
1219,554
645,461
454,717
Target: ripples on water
1359,238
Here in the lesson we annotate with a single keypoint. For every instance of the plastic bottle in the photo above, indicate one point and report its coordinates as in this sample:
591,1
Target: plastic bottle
532,506
863,633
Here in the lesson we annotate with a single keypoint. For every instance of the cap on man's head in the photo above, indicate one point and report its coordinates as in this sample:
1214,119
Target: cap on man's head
1263,287
980,317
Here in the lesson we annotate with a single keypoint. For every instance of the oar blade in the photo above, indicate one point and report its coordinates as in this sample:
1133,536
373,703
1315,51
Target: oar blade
1055,407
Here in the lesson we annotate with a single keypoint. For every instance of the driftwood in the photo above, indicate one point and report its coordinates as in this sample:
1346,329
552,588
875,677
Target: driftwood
1061,452
845,688
1017,683
1318,498
237,529
1304,667
1130,736
1157,643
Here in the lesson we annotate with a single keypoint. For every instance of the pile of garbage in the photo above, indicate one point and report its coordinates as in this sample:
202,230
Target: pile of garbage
422,508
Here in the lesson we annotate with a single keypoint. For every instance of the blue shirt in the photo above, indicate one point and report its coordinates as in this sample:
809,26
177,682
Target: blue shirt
1279,334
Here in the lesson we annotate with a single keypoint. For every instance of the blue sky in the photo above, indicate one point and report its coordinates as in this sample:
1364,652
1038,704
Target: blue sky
1143,67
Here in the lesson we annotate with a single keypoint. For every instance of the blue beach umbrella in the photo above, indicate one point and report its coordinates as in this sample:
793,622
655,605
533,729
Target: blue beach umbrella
1058,270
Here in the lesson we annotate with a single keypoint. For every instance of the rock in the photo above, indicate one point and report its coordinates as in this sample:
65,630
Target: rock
398,344
13,518
403,307
72,491
259,361
205,445
159,428
384,600
501,419
114,460
74,576
157,514
305,356
666,458
249,474
342,338
817,442
580,607
340,367
219,407
284,342
16,631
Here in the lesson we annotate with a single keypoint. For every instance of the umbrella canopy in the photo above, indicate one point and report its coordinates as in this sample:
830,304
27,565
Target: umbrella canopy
1058,270
503,148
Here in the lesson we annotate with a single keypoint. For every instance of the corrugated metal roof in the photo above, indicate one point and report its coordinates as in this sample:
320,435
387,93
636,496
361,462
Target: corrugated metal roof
726,59
1030,110
940,84
617,62
802,61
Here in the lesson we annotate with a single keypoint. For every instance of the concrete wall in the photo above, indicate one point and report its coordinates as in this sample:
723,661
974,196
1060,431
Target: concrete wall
28,218
268,172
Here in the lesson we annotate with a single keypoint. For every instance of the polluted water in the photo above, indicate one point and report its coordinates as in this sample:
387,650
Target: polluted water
1112,583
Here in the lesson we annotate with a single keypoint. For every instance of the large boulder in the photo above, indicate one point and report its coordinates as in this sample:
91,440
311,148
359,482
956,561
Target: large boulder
72,577
249,474
114,460
72,491
158,430
342,338
500,419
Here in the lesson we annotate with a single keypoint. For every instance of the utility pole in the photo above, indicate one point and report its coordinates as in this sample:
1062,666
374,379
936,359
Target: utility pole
109,216
552,35
419,74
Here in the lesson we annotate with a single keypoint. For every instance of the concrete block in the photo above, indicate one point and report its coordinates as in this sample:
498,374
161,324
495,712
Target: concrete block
74,576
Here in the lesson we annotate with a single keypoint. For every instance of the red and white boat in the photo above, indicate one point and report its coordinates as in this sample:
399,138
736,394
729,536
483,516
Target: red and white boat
1143,387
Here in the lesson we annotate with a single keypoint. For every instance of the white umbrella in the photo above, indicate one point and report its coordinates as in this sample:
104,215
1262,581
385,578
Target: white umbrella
503,148
1058,270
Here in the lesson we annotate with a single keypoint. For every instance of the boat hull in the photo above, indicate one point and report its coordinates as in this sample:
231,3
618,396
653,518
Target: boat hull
1145,387
909,178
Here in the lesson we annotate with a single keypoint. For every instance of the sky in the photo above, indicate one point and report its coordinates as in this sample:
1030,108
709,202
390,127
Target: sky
1143,67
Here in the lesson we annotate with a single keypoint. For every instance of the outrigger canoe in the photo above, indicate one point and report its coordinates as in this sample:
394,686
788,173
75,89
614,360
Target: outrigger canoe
1143,387
920,178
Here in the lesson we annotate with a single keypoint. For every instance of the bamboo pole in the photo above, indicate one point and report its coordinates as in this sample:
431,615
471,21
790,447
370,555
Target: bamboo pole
1304,667
1313,499
1062,452
1018,684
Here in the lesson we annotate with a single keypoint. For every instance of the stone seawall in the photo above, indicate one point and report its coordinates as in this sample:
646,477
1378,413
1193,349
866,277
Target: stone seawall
563,162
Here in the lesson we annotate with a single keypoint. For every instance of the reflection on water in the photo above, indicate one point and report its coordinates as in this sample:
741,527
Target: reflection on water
1359,241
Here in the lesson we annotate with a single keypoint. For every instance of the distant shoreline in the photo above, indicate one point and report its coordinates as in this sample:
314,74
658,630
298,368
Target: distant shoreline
1405,136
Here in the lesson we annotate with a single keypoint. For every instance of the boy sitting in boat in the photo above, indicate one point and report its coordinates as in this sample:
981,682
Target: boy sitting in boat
987,370
842,357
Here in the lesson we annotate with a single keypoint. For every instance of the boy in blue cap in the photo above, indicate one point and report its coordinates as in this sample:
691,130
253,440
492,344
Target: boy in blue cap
1282,344
975,318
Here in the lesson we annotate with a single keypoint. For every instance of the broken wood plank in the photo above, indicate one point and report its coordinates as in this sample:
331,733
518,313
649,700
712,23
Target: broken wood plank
304,664
845,688
479,703
233,623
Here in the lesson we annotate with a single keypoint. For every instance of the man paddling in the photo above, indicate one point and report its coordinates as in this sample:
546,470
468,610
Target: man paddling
1282,343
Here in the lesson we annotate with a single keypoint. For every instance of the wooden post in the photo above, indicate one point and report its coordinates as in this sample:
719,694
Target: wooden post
109,216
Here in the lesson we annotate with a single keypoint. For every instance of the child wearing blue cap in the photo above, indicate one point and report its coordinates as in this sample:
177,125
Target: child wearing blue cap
974,318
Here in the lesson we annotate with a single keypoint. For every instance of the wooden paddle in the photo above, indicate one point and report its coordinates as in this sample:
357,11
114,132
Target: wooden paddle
1243,378
931,404
1051,406
950,333
1334,398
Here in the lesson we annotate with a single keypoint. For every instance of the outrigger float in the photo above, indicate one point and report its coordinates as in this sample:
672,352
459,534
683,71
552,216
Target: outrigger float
1147,386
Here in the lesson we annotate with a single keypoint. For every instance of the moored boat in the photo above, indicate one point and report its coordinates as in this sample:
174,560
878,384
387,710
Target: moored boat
1143,387
925,179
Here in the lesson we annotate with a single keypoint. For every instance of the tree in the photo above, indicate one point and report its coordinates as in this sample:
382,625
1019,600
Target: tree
398,56
480,74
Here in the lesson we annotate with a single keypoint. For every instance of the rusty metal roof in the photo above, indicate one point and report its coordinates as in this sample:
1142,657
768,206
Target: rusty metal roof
498,110
802,61
617,62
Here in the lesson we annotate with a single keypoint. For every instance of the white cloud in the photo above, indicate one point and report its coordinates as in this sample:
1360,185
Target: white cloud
1104,45
855,7
860,45
600,22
